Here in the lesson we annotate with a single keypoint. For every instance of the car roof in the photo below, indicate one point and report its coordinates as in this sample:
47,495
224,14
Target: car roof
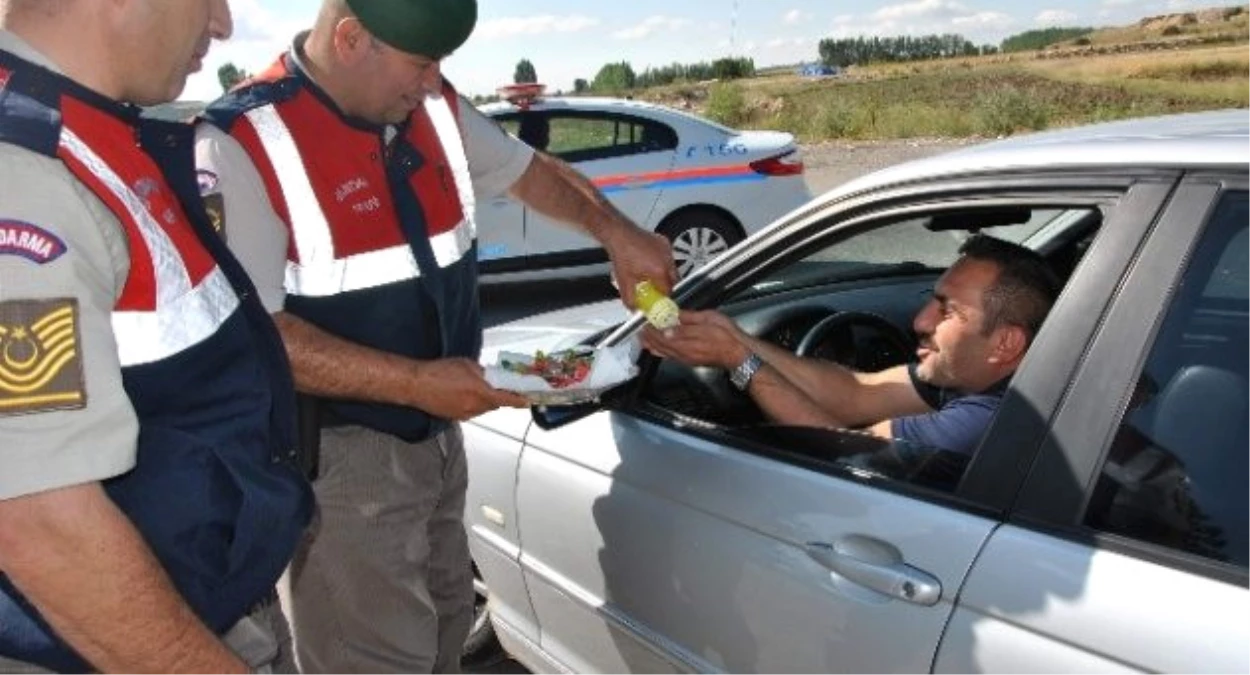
1194,140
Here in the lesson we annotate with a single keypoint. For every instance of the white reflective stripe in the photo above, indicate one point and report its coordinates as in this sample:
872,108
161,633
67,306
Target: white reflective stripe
318,273
172,279
184,315
146,337
354,273
313,240
451,246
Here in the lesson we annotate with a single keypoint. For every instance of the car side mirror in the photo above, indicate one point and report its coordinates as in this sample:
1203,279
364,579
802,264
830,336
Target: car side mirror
549,417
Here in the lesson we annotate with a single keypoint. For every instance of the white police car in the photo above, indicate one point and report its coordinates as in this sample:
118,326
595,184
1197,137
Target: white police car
703,185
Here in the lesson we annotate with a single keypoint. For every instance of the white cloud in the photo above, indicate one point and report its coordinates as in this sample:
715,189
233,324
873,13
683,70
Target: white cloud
532,25
794,16
922,9
260,35
651,25
926,17
1117,3
1054,17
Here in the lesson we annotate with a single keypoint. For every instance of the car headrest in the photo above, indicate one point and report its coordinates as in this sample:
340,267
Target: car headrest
1200,404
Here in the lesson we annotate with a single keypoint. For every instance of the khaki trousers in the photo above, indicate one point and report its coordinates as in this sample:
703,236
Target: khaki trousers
262,639
383,581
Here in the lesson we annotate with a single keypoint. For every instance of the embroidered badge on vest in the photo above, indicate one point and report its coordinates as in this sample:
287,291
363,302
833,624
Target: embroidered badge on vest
40,368
29,241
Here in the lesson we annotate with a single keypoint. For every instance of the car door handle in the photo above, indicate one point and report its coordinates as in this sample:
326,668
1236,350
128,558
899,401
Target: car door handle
877,565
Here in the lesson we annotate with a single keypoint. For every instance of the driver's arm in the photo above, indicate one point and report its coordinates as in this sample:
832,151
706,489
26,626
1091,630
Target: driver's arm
854,399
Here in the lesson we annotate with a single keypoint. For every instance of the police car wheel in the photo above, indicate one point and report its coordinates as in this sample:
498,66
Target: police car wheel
698,235
481,648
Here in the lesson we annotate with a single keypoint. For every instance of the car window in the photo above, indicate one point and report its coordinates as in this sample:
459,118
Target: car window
580,136
1175,474
909,244
884,275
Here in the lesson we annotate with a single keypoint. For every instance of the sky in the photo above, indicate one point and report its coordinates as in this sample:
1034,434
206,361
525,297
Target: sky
569,39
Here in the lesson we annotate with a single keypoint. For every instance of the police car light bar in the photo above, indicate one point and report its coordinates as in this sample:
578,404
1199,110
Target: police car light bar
521,95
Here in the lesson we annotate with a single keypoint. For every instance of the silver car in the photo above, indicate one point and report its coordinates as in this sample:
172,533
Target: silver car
1100,526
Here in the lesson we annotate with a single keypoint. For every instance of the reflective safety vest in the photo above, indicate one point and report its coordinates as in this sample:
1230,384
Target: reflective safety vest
382,237
215,492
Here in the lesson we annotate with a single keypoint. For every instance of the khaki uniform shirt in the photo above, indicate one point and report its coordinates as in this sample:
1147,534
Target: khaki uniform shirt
233,189
64,417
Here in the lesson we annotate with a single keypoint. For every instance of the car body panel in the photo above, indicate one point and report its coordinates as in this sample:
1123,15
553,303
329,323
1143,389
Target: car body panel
655,541
491,499
737,568
1087,603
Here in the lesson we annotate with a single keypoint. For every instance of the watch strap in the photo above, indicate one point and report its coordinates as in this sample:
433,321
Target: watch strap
741,375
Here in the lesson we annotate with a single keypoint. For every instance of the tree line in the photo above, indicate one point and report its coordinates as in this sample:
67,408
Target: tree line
1039,39
843,52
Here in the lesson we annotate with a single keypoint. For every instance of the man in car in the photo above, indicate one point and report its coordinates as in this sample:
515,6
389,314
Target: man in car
344,177
973,334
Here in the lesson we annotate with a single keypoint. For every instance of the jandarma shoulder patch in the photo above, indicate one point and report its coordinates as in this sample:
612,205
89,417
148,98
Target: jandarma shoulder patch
40,364
29,241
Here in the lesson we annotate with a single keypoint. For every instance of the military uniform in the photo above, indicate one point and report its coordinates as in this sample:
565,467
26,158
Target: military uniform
133,353
367,232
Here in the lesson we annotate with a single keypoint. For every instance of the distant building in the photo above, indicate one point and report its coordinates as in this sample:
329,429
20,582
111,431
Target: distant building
817,70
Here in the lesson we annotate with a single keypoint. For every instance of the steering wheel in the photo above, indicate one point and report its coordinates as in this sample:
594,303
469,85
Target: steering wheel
896,345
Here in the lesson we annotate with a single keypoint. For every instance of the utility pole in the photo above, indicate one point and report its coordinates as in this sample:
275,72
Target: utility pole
733,31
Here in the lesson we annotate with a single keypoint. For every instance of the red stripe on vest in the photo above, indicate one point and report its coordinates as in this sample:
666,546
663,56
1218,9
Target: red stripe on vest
114,142
351,182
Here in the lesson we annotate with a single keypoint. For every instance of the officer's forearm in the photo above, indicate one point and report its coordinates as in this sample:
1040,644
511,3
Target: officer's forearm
77,558
326,365
558,191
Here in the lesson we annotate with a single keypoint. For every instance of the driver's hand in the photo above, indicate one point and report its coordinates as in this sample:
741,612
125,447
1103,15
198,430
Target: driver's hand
702,339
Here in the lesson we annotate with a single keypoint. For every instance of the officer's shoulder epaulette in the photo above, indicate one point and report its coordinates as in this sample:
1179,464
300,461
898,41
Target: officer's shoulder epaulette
225,111
30,114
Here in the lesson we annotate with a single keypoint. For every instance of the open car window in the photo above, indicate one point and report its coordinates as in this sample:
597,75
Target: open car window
883,274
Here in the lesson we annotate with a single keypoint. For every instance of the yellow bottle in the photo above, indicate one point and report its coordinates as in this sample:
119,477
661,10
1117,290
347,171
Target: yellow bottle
659,309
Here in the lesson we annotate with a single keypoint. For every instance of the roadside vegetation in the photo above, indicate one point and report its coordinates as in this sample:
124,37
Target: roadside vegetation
1169,64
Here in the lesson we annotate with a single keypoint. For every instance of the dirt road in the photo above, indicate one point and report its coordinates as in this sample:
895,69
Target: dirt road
833,163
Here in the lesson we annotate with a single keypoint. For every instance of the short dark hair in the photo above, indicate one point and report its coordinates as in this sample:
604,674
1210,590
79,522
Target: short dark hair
1025,289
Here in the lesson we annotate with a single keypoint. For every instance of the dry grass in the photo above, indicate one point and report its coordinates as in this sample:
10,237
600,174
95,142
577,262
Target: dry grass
1121,73
1220,75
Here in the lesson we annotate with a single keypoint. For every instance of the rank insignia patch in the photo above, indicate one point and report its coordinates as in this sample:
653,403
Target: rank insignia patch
29,241
215,206
40,367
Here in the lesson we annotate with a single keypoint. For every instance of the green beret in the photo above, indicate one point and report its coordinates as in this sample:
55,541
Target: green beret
433,28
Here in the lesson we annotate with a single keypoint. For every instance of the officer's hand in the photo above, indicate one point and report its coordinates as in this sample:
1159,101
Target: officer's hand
638,255
456,389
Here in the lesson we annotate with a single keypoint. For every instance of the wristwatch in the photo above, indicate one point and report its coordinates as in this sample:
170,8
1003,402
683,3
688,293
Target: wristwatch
741,376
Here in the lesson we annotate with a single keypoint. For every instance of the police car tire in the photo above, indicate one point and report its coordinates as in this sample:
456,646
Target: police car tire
681,223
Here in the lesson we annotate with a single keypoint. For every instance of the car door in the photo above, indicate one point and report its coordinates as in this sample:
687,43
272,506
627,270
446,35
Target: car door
501,224
624,155
1128,549
654,541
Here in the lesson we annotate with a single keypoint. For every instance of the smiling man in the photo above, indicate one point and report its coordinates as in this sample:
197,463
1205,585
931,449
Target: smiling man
973,334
